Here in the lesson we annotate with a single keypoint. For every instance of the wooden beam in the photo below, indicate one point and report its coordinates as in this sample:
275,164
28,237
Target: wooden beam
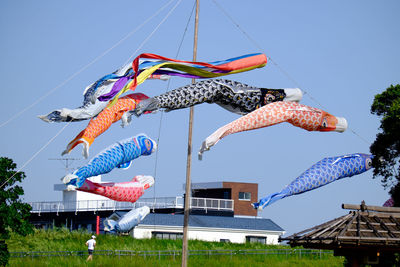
367,238
371,231
374,208
188,192
376,223
371,226
380,214
395,221
337,223
347,226
313,229
383,225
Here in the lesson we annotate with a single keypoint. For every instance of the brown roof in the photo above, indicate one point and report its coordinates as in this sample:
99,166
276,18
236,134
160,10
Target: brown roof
364,227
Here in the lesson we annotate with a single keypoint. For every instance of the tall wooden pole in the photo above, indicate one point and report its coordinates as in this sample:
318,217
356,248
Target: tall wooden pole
189,156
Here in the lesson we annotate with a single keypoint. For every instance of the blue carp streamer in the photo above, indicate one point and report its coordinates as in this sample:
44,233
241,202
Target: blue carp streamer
323,172
119,155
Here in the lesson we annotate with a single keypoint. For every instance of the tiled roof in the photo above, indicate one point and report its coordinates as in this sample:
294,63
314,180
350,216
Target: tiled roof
212,222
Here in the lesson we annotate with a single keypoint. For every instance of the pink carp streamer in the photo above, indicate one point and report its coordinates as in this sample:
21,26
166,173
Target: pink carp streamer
104,120
308,118
125,192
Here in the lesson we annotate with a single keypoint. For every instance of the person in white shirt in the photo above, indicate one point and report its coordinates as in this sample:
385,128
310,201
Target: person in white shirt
91,243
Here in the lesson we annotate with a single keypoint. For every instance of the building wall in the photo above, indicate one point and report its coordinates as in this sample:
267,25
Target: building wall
243,207
207,234
83,200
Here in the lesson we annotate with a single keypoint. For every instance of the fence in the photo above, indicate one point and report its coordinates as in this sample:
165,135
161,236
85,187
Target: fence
316,253
153,203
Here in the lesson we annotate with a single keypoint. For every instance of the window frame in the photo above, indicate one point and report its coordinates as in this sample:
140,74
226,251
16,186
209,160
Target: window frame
166,235
256,239
244,196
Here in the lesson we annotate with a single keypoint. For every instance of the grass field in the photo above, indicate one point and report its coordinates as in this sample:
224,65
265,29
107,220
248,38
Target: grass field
219,261
63,240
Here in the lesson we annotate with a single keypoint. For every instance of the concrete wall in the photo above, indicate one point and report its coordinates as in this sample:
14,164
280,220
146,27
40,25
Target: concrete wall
207,234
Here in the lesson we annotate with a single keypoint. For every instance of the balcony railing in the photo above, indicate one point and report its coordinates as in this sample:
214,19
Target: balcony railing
152,203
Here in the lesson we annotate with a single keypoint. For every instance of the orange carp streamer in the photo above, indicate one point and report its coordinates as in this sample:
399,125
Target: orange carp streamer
104,120
305,117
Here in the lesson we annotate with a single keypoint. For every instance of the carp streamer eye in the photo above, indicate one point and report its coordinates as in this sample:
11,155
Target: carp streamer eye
269,98
324,123
148,144
368,163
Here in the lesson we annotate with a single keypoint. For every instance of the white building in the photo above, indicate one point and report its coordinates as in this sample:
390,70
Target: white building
209,228
220,212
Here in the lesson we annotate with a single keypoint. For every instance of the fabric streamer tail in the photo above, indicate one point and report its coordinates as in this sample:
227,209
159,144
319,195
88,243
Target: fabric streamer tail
79,139
200,69
212,140
268,200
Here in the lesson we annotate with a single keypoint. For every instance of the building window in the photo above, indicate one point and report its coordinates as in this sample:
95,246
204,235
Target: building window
256,239
222,240
226,195
167,235
245,196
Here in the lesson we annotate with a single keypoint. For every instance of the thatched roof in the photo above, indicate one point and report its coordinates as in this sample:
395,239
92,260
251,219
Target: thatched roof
363,228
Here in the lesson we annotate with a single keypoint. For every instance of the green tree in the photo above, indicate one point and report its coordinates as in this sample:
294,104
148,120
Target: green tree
14,213
386,147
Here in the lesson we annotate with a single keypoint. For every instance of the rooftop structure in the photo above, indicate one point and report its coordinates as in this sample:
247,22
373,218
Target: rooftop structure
364,235
243,194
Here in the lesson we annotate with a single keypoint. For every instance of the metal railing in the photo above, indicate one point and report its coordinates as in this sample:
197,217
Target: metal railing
152,203
317,253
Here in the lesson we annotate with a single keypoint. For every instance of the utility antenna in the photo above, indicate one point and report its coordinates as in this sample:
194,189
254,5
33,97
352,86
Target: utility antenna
67,163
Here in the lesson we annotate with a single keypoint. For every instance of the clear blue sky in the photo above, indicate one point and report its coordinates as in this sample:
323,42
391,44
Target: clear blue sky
341,53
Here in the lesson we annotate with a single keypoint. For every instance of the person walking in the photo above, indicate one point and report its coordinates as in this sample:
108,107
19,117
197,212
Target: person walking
91,243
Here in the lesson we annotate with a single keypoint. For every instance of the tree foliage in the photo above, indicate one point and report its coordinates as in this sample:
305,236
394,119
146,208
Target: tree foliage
13,212
386,147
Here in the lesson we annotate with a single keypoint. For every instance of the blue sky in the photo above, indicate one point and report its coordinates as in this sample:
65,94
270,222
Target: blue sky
341,53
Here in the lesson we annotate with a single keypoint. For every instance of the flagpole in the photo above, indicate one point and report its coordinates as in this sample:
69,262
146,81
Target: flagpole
189,155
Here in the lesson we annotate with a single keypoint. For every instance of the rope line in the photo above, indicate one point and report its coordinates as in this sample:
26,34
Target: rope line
167,88
256,44
285,73
81,70
162,112
155,29
37,153
84,67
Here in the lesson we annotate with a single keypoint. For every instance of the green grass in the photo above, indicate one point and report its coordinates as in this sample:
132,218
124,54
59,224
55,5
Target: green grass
63,240
219,261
